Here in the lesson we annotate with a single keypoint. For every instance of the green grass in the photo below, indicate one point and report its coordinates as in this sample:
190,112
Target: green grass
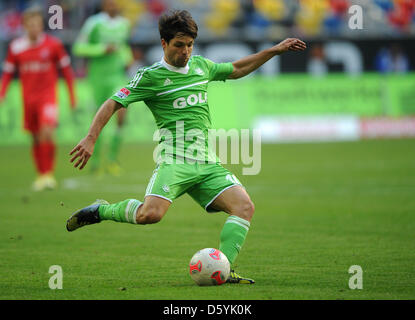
320,208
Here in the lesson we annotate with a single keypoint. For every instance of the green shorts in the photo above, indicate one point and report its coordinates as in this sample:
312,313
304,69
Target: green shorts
204,182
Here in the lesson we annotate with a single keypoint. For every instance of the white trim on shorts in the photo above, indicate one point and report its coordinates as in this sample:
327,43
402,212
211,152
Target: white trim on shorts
157,195
214,198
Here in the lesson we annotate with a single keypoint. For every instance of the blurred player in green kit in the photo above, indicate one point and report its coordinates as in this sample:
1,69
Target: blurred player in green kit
103,39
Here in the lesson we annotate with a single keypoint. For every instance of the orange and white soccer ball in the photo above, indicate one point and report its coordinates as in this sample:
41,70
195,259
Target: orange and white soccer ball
209,267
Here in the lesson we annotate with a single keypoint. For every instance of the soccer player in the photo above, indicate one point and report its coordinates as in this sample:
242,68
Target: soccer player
175,90
37,57
103,40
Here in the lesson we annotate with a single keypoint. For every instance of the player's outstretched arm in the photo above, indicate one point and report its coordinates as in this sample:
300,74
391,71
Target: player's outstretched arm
84,149
252,62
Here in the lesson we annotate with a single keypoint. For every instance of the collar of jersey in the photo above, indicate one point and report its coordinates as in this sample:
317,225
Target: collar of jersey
39,40
183,70
108,18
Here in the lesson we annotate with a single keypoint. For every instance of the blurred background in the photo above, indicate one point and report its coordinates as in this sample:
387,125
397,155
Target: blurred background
349,84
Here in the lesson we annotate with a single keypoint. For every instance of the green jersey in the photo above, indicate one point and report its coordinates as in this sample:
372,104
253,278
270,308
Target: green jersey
178,99
97,33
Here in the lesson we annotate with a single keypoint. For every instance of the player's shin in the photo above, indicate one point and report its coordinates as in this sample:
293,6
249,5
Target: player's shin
48,152
124,211
37,157
233,236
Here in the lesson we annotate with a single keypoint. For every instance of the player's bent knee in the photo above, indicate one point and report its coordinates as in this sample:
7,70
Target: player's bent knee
245,210
249,210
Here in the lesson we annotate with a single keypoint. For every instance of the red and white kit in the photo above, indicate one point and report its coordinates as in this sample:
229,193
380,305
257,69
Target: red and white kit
38,67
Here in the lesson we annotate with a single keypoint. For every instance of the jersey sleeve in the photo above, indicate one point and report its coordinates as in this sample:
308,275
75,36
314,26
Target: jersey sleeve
138,89
9,67
219,71
63,60
9,64
83,45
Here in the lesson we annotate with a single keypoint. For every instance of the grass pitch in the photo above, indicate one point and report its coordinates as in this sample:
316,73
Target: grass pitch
320,208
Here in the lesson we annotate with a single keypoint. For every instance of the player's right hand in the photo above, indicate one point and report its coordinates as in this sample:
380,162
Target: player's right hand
83,151
110,48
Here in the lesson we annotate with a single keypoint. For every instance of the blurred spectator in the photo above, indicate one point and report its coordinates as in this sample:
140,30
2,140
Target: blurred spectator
392,60
11,24
316,65
132,10
138,62
273,10
156,7
402,14
221,15
257,20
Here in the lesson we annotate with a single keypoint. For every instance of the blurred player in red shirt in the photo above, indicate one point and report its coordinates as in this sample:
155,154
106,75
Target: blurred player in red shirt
37,57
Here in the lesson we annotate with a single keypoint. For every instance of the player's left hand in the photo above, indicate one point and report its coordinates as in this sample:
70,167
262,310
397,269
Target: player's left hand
290,44
83,151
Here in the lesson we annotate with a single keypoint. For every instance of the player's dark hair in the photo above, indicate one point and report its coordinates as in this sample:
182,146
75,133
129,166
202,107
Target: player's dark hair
177,21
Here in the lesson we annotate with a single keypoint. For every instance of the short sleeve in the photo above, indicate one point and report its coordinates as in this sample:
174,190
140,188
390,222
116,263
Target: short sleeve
84,46
138,89
9,64
219,71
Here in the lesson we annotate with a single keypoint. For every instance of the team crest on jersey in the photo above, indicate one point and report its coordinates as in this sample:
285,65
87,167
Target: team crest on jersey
123,93
199,71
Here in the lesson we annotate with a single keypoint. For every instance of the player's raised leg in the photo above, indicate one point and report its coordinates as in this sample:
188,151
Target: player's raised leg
236,202
131,211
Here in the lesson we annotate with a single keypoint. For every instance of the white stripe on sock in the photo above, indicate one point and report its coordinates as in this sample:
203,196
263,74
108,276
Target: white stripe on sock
240,220
127,209
238,223
131,210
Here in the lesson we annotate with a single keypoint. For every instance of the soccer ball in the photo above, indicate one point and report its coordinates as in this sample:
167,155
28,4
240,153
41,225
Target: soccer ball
209,267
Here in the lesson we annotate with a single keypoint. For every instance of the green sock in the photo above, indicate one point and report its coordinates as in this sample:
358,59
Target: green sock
115,145
124,211
233,236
